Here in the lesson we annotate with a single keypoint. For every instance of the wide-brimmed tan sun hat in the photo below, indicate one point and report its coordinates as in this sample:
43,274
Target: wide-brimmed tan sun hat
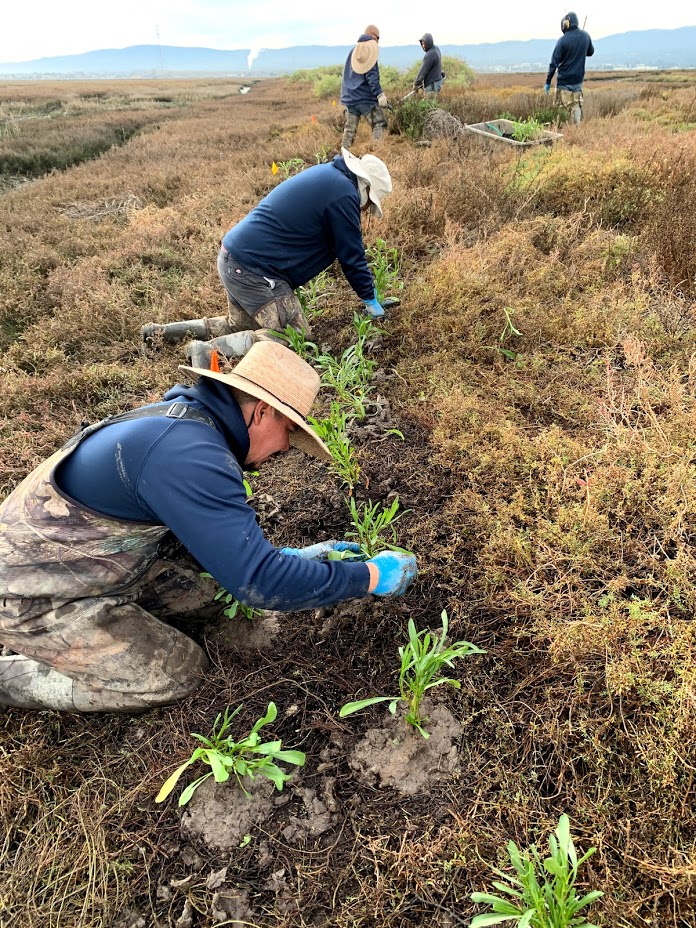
364,56
373,176
273,373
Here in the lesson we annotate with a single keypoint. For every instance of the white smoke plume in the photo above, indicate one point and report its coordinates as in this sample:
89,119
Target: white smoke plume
254,53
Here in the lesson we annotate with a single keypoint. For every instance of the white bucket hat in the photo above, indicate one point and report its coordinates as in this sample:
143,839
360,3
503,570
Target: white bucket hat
373,176
271,372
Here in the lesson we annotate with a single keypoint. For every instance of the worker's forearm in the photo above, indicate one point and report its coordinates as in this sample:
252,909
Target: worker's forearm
374,576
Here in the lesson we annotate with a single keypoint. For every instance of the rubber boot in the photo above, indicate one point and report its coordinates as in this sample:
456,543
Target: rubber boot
27,684
172,333
199,353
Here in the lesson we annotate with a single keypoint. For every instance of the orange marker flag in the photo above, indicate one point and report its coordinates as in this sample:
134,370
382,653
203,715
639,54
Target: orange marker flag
274,168
314,118
214,363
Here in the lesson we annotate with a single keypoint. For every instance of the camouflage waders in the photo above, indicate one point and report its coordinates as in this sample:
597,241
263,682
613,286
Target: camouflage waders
251,317
376,119
571,101
78,593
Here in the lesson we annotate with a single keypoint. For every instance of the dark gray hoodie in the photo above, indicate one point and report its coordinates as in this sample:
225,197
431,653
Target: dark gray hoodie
431,68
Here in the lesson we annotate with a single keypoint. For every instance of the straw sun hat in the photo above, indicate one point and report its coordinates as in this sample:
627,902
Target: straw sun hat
275,374
364,55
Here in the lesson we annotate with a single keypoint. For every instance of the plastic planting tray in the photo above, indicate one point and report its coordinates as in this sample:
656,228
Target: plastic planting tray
500,130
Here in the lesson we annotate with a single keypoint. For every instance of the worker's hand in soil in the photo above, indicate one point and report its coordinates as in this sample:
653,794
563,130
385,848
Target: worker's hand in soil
547,88
374,308
397,571
382,100
321,550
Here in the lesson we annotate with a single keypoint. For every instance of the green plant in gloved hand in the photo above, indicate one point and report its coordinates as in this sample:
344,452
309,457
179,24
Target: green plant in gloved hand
249,757
540,894
374,526
422,660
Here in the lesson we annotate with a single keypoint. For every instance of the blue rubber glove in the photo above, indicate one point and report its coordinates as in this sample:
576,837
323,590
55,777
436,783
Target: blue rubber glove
321,550
397,571
373,308
547,87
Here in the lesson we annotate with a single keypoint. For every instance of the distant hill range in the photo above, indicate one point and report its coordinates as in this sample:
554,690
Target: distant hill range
651,48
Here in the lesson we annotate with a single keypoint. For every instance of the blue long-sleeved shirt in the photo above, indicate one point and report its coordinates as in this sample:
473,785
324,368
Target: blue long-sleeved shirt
303,226
360,90
569,56
186,475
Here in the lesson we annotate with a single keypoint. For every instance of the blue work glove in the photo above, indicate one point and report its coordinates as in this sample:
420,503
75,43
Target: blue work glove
321,550
374,308
547,87
397,571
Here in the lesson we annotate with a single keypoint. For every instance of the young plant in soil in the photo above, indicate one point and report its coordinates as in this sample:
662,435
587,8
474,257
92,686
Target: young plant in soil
310,294
233,606
384,264
373,525
246,758
540,894
422,660
298,341
333,432
349,377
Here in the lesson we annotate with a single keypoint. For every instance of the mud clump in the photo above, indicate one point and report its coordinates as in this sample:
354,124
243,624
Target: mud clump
397,755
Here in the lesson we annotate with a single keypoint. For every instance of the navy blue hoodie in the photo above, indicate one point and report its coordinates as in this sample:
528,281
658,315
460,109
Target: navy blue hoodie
431,68
186,475
569,56
303,226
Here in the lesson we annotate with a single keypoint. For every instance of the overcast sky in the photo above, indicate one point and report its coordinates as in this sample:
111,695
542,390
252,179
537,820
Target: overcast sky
64,27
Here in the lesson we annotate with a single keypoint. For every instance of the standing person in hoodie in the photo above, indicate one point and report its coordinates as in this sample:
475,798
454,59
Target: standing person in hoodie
298,230
430,75
102,546
361,91
574,46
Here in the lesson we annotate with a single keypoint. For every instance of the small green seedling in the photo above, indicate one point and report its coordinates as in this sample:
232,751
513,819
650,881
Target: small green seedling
422,659
233,606
374,525
333,432
291,166
298,341
246,758
507,333
384,264
311,293
541,894
366,329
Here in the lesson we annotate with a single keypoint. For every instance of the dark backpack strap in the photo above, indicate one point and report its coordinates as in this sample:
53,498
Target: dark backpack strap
175,410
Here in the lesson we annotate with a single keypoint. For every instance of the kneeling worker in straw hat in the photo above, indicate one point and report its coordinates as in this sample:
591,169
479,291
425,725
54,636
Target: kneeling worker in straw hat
108,537
361,91
298,230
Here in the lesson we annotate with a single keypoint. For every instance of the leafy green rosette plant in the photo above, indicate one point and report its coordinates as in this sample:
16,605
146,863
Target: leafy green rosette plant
422,660
249,757
542,893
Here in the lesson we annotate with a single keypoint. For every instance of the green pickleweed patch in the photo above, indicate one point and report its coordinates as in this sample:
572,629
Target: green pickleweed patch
249,757
422,660
541,893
